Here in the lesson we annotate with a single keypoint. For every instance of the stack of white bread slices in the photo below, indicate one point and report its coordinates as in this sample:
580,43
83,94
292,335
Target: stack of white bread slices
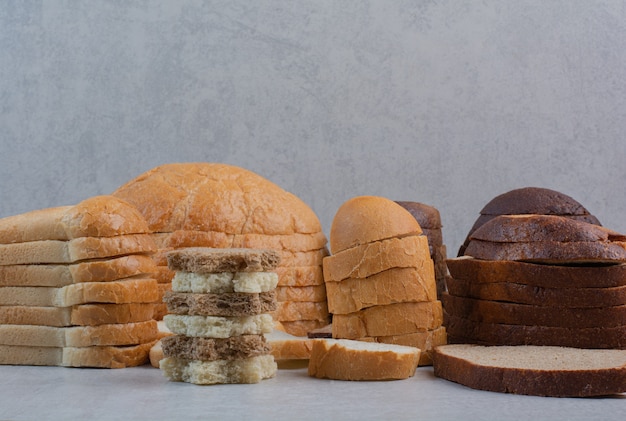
380,277
76,286
218,311
224,206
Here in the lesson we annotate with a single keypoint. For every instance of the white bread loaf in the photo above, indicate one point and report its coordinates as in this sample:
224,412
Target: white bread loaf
248,370
79,336
342,359
425,340
371,258
289,347
91,356
312,293
534,370
303,327
298,276
366,219
139,290
289,311
88,271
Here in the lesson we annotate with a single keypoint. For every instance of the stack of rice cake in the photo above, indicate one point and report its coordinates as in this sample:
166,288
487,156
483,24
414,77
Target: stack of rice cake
218,311
76,286
539,280
223,206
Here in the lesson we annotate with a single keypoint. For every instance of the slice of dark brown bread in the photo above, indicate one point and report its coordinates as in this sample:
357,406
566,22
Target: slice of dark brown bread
462,330
427,216
211,349
228,304
539,275
512,292
522,314
533,370
210,260
530,200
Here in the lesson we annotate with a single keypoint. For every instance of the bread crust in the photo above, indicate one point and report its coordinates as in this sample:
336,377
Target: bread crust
291,311
428,217
313,293
365,219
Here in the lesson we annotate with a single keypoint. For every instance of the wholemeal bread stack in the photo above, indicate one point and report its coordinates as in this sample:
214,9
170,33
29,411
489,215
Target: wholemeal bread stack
76,286
380,277
430,221
218,311
223,206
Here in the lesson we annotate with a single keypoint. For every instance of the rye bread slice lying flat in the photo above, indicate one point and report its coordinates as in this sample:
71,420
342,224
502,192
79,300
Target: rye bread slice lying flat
526,294
228,304
462,330
210,260
522,314
532,370
210,349
539,275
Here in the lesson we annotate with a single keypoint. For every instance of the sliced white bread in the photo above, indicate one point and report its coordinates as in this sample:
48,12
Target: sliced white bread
533,370
201,283
248,370
218,327
341,359
289,347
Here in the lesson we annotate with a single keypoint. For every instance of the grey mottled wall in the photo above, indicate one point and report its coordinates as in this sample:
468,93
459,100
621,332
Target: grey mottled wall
444,102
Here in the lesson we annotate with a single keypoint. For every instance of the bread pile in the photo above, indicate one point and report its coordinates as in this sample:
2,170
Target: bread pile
218,311
380,277
430,221
223,206
76,286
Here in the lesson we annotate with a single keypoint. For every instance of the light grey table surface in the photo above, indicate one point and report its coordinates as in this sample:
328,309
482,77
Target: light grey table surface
57,393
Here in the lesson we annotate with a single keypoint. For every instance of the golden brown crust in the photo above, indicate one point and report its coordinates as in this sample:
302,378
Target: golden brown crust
365,219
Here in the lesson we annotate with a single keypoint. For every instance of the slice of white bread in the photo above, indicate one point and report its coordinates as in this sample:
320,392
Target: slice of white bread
98,216
371,258
218,327
92,356
79,336
289,347
303,327
533,370
248,370
214,283
394,285
386,320
290,311
142,290
74,250
80,315
89,271
342,359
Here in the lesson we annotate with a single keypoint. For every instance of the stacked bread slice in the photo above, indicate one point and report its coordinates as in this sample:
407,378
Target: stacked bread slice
223,206
430,221
218,311
76,286
380,277
539,280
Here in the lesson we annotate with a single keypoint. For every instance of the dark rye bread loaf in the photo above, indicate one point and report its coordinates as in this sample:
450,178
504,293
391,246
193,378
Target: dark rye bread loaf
462,330
212,349
210,260
529,315
427,216
227,304
538,275
532,370
510,291
530,200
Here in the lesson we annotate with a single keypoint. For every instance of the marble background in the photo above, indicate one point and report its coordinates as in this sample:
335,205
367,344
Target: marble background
446,102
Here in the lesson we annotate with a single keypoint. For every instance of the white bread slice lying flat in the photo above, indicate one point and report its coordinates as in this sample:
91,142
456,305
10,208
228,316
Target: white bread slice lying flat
79,336
80,315
215,283
77,249
368,259
342,359
533,370
142,290
91,356
218,327
248,370
89,271
289,347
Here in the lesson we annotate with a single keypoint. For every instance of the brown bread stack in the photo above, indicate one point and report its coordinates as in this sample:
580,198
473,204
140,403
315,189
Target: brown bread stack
76,286
380,277
430,221
218,311
223,206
